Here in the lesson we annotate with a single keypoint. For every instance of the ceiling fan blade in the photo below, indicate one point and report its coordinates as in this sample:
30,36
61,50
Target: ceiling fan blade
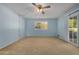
47,7
34,4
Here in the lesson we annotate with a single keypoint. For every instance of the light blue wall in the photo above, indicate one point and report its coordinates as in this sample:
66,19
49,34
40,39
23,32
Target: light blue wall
63,23
30,31
11,27
21,27
62,28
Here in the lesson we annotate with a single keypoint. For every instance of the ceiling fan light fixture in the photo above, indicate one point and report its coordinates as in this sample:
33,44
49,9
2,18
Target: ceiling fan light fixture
39,10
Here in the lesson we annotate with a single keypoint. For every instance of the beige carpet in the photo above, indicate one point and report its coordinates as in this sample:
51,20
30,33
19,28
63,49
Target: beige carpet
40,46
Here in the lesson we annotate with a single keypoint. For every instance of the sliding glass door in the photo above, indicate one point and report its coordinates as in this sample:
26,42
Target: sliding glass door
73,29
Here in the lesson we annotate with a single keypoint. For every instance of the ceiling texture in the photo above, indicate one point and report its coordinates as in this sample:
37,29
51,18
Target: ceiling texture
27,10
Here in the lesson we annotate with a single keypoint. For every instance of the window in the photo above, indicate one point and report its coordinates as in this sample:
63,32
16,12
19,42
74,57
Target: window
41,25
72,24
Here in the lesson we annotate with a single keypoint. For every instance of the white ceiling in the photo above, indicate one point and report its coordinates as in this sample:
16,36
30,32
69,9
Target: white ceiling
27,10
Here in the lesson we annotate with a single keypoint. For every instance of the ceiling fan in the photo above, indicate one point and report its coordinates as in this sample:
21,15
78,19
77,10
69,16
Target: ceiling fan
40,7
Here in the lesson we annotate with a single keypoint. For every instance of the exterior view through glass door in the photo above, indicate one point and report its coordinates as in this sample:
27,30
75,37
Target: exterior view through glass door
73,30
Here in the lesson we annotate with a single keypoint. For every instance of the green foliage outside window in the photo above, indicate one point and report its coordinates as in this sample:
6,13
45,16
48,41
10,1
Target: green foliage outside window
72,23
